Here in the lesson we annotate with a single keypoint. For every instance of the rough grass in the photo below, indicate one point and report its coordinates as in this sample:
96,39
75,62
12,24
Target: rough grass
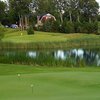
49,83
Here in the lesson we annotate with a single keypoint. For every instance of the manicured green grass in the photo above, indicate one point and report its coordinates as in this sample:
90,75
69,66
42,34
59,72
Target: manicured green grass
16,36
49,83
22,37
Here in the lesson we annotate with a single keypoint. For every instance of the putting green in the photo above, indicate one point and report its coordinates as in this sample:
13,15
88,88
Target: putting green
64,85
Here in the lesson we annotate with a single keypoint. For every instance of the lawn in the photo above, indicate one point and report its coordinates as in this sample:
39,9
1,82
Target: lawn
16,36
37,83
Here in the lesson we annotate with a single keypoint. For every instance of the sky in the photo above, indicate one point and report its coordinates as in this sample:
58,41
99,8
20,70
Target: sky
98,2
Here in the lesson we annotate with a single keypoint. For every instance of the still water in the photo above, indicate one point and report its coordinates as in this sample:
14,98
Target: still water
71,57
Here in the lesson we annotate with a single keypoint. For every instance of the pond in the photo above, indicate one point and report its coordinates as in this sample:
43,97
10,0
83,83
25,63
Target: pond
69,58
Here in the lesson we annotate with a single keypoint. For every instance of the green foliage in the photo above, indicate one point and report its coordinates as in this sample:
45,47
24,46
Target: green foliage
2,10
47,26
62,28
70,27
78,27
98,28
75,11
30,30
93,27
90,27
50,26
21,7
99,17
55,26
86,27
67,27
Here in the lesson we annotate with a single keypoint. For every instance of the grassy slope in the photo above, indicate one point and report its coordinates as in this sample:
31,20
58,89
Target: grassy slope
15,36
47,40
49,83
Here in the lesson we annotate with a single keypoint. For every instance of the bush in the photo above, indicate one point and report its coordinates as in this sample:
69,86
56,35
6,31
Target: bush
62,28
70,27
47,26
55,26
30,30
90,27
98,28
67,27
78,27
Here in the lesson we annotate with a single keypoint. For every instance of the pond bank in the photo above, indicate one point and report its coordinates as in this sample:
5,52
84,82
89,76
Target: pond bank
76,57
14,39
51,45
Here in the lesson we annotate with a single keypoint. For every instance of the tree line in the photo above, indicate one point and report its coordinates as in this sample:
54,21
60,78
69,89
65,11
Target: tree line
72,16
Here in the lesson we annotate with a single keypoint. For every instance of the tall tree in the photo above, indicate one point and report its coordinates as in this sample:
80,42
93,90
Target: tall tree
44,6
21,8
2,10
89,9
60,6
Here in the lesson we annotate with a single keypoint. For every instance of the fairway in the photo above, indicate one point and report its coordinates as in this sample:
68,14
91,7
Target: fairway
49,83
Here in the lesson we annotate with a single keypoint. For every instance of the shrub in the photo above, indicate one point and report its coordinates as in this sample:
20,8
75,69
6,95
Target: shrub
70,27
78,27
55,26
67,27
62,28
47,26
90,27
98,28
30,30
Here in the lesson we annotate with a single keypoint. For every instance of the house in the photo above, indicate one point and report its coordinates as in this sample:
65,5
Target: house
43,18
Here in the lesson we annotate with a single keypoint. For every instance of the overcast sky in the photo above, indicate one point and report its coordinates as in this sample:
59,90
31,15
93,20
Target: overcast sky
98,1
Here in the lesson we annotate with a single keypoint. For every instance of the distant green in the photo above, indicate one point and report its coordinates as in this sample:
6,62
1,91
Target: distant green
13,38
16,36
49,83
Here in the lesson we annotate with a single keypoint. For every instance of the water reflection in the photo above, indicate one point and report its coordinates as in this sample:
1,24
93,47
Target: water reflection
98,60
60,54
88,57
32,54
78,53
